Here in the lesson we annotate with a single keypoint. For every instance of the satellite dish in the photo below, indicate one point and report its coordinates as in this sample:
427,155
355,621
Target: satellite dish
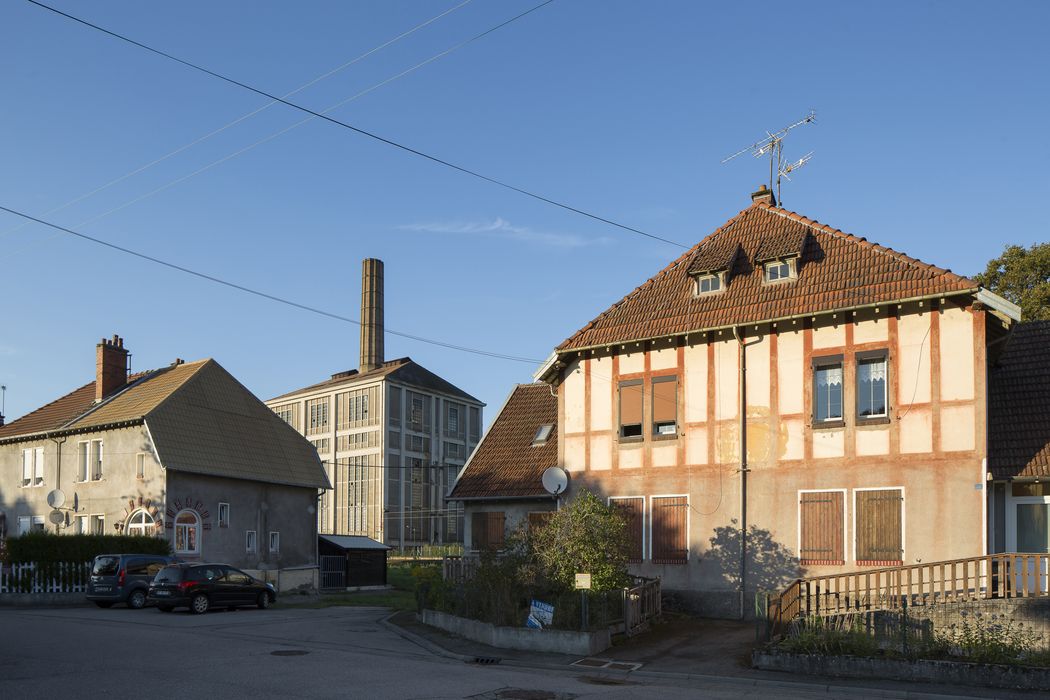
56,498
555,480
56,517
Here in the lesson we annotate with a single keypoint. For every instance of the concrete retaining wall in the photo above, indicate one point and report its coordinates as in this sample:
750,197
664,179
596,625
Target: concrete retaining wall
955,672
522,638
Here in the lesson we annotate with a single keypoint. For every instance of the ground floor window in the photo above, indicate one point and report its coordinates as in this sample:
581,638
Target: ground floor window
879,523
487,530
187,532
670,529
821,527
633,509
140,523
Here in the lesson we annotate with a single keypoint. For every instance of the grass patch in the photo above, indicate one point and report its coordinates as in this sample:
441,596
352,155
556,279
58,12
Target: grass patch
396,600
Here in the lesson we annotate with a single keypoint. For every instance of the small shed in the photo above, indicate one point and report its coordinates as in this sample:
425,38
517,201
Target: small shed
351,561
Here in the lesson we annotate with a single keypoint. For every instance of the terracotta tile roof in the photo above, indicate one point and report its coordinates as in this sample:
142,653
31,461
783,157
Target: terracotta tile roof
404,370
837,271
1018,409
58,413
506,464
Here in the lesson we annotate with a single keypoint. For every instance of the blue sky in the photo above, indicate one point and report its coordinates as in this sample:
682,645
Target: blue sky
930,139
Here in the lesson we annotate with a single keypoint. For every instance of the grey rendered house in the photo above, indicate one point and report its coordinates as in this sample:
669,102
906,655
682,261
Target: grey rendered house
501,485
184,452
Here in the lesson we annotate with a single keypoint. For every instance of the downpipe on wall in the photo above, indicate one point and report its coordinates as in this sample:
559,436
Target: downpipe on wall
738,333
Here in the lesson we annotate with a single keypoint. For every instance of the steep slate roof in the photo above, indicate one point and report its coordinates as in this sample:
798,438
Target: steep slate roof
837,271
505,464
1018,405
202,420
404,370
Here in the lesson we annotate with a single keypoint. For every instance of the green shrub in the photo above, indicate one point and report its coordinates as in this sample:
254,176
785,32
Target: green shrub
43,547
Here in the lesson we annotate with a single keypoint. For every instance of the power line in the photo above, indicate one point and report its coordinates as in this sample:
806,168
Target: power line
248,115
245,149
370,134
264,295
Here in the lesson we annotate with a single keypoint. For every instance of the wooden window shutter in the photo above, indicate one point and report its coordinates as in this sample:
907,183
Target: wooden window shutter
879,532
820,518
665,400
491,526
632,508
631,408
670,519
538,519
478,536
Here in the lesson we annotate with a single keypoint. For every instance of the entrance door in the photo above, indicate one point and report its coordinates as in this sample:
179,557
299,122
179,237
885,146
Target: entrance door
1028,532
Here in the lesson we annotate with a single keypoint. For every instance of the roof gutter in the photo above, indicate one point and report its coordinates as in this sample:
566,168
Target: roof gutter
535,497
545,370
51,434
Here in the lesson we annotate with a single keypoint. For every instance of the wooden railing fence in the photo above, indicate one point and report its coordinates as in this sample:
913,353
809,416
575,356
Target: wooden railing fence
1009,575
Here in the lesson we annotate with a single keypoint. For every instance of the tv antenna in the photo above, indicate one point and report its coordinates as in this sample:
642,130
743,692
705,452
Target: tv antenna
773,146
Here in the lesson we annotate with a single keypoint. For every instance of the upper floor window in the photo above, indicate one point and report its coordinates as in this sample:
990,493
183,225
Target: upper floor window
33,467
454,426
827,389
140,466
631,408
224,514
871,386
706,284
475,424
779,270
418,412
89,460
317,415
289,413
665,405
543,433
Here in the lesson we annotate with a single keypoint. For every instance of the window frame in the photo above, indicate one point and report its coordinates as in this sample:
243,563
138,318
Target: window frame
140,466
845,516
275,541
627,383
98,523
251,542
817,363
662,379
147,526
196,539
867,356
98,463
718,278
223,514
542,434
652,529
613,500
903,530
789,263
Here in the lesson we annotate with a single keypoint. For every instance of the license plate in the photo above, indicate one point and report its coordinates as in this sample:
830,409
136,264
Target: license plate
103,589
161,592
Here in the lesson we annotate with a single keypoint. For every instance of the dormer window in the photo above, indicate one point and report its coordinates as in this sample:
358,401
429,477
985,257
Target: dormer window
709,283
543,434
780,270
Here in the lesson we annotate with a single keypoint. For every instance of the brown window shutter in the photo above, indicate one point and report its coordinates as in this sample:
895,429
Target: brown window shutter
879,519
670,537
632,508
494,529
665,400
631,407
822,540
538,520
478,537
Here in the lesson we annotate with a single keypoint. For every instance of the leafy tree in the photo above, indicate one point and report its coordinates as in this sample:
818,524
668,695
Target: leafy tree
585,536
1022,275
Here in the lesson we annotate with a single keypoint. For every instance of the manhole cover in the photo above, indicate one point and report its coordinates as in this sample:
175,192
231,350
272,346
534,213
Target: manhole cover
289,652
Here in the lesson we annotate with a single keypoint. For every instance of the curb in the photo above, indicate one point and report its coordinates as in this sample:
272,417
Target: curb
827,688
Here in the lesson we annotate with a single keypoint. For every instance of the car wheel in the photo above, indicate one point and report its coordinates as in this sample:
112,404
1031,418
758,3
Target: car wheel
264,601
199,604
165,608
103,604
137,599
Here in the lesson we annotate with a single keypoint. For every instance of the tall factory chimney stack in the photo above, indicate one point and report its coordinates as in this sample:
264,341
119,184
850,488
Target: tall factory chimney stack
371,314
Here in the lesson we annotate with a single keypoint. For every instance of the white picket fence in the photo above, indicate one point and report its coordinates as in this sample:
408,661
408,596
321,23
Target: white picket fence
54,578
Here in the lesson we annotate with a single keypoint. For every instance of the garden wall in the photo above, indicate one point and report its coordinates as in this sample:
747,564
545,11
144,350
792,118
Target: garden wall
522,638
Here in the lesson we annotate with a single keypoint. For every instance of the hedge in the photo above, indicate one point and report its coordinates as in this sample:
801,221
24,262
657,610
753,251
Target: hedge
43,547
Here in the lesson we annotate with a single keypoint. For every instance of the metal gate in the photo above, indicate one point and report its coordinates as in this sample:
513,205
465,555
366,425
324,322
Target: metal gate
333,571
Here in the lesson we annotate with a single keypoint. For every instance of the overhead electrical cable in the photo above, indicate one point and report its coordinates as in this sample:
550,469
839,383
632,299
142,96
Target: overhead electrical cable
372,135
264,295
249,115
255,144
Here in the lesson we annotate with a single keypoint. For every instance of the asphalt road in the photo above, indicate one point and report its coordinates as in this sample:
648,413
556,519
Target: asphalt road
290,653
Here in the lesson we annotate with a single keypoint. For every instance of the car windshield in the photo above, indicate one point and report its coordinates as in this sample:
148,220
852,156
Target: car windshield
105,566
169,574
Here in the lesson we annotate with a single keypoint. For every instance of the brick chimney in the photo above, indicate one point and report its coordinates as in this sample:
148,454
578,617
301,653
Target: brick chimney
764,194
111,367
371,314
